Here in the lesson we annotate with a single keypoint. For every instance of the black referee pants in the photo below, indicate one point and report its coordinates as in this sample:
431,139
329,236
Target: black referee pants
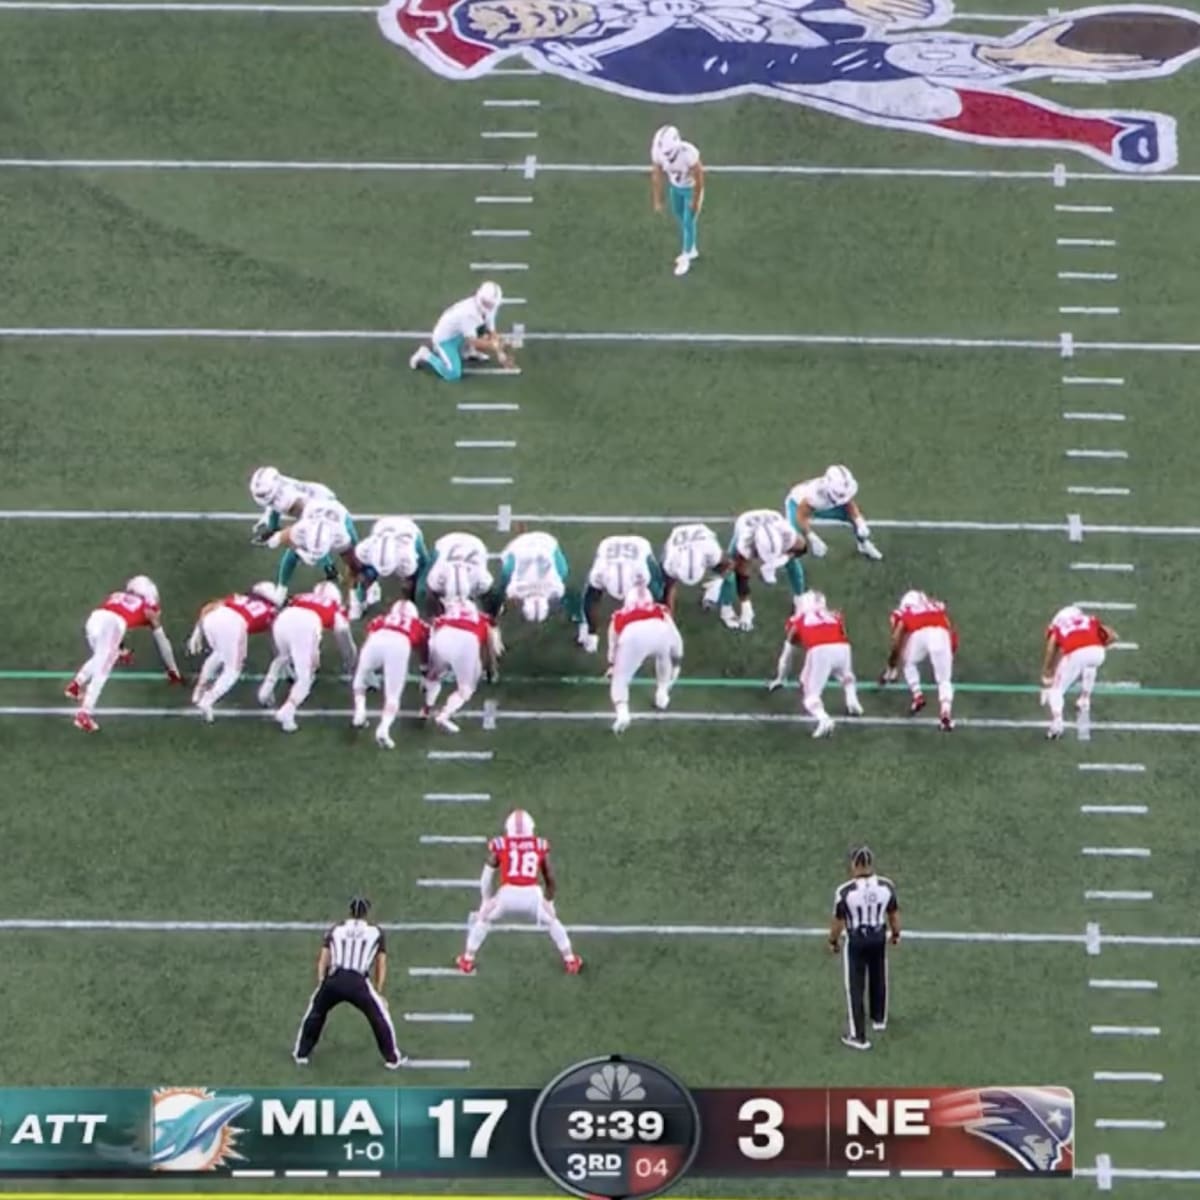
347,987
865,968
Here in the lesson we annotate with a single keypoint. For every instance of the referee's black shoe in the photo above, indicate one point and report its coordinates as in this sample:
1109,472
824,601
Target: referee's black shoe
854,1043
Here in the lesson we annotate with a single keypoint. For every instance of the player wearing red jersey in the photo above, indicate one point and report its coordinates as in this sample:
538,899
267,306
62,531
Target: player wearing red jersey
134,608
523,861
822,634
641,629
391,639
297,633
225,626
464,643
922,629
1075,643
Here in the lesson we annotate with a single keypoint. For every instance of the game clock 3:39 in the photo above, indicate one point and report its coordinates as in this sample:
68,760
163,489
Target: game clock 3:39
615,1127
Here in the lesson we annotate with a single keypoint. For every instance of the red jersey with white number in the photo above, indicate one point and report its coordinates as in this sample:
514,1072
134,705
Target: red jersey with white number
413,628
1073,633
132,609
819,628
327,610
520,859
254,610
478,625
627,616
931,614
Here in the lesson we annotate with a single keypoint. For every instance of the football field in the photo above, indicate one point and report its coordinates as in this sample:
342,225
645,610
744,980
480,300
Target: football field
225,228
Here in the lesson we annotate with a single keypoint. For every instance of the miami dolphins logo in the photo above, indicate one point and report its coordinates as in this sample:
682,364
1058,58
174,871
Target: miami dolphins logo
193,1130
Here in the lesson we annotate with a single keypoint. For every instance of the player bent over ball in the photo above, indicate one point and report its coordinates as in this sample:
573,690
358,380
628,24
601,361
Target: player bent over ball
639,630
1075,650
391,639
395,548
225,626
458,569
463,644
822,634
922,629
689,554
136,607
764,536
466,329
533,576
297,633
623,562
523,861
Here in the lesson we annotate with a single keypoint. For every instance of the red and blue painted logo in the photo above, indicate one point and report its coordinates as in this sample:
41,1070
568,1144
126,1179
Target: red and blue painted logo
880,62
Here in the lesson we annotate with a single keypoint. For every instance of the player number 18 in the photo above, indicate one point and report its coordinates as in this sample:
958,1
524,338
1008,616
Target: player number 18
765,1141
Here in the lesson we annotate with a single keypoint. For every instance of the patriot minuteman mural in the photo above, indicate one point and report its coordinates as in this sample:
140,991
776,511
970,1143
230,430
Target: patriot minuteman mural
880,62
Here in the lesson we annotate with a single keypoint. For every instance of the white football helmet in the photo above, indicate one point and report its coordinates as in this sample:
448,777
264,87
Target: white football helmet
811,602
840,484
535,608
1071,613
273,593
489,296
328,592
264,483
666,141
518,823
404,608
912,599
143,585
771,546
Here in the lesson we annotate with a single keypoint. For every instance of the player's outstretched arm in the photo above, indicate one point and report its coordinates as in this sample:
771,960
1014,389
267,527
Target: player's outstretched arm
487,877
1049,661
656,187
379,970
165,650
698,187
322,964
782,666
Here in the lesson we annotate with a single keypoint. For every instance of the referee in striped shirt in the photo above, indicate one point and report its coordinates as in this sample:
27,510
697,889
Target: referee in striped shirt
350,953
866,910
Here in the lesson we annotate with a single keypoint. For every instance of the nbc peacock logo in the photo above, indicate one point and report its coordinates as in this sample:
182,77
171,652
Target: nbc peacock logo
615,1083
193,1129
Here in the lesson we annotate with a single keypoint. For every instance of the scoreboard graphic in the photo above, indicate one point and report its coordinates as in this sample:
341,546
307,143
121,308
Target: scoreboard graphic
609,1128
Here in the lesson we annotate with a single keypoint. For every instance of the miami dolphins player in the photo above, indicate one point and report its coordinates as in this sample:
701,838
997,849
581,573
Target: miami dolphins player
281,496
679,163
760,535
829,497
465,329
458,568
395,548
325,530
689,553
622,562
533,574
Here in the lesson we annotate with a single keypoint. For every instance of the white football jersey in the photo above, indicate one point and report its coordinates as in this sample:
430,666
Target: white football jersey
811,492
324,508
388,554
680,166
763,526
297,492
463,320
622,562
533,562
460,566
689,552
313,538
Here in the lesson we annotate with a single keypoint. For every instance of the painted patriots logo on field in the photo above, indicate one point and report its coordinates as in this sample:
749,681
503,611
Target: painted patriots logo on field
880,62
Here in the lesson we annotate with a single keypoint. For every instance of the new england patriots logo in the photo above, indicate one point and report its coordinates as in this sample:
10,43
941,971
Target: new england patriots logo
1034,1125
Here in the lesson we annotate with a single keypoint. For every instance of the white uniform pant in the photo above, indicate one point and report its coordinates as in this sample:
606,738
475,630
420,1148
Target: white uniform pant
297,636
104,632
636,643
385,650
513,900
458,651
820,663
454,580
1082,665
225,632
931,643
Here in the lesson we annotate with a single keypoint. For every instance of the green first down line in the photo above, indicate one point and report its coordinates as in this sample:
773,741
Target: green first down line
1022,689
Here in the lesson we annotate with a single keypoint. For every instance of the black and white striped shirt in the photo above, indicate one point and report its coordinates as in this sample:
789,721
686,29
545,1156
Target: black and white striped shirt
863,903
353,946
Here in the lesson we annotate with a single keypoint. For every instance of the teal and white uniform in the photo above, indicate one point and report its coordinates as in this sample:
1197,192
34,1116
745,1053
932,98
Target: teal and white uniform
764,534
289,495
689,553
323,531
466,319
458,569
819,496
679,164
533,565
394,547
624,561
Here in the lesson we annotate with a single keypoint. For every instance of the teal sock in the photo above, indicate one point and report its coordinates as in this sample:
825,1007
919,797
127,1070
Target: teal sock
689,227
274,520
795,574
728,590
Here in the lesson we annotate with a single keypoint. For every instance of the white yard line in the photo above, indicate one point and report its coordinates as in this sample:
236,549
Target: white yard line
1123,1123
468,444
447,839
1076,241
1087,490
1135,768
501,233
1084,208
1127,1076
1118,568
1082,311
1115,852
440,1018
437,973
499,407
481,480
504,200
1126,1031
1124,985
1103,895
1115,810
457,797
1097,453
448,883
1090,276
459,755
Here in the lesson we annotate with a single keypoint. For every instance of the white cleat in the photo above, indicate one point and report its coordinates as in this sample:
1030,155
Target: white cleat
621,723
419,355
384,742
590,642
746,620
824,728
683,264
443,722
662,698
868,549
854,710
359,720
206,711
287,720
1055,731
694,253
728,617
266,696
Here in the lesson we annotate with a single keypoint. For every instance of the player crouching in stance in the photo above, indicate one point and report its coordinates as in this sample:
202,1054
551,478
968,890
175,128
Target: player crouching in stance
1075,643
523,861
391,639
533,576
623,562
395,548
464,644
639,629
822,634
297,633
829,497
764,535
105,630
922,629
468,325
225,625
689,554
281,496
